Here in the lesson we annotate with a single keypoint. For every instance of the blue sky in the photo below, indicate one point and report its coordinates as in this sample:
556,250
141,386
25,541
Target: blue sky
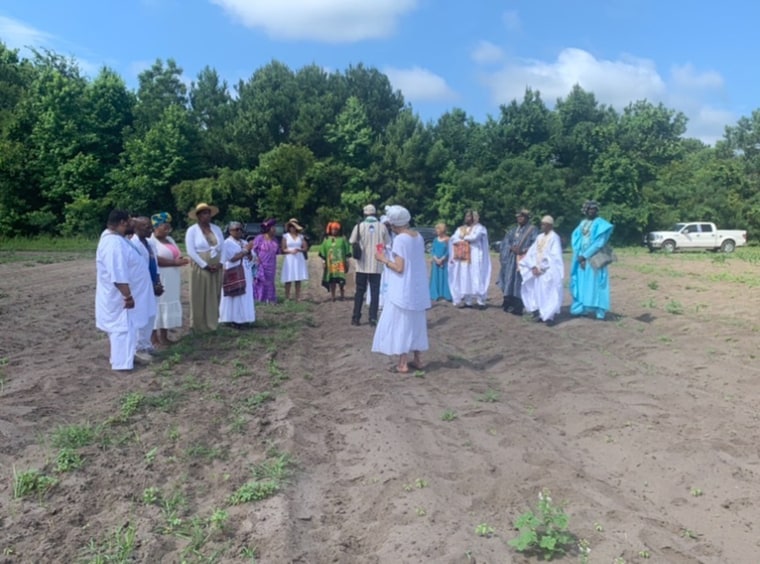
692,56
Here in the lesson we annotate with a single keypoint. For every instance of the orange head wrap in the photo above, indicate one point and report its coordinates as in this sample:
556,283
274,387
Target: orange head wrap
332,225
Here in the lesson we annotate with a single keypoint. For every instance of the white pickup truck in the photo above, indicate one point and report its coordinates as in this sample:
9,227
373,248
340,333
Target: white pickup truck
696,235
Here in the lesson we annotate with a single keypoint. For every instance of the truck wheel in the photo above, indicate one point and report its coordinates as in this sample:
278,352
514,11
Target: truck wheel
668,246
727,246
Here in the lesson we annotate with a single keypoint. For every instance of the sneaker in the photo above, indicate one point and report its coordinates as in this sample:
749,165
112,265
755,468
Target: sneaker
143,357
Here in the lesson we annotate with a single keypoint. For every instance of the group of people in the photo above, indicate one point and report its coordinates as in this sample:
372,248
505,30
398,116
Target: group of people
138,290
139,282
533,271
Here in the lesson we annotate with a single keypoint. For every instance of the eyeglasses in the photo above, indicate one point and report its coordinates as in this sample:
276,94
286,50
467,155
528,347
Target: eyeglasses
236,229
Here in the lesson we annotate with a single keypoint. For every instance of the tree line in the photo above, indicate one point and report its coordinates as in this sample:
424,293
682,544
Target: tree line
318,145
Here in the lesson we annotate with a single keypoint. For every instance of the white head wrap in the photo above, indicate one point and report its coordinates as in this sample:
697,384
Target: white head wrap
547,219
398,215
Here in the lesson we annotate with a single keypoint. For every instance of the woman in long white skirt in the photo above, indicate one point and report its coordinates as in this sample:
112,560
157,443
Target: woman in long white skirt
237,310
402,327
294,267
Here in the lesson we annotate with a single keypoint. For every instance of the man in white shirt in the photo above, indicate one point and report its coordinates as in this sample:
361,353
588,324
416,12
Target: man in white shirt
118,265
366,236
469,263
542,273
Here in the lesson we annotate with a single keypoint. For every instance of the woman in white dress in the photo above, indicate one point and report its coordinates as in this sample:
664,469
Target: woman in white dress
402,327
294,267
238,310
170,260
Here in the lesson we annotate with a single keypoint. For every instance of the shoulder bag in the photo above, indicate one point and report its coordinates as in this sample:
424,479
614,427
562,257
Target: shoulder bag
233,281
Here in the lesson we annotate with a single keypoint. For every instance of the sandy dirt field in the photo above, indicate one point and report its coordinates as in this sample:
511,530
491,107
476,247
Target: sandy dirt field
645,425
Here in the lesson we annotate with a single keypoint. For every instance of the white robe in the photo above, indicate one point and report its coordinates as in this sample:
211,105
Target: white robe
117,263
402,327
468,280
146,303
543,293
237,309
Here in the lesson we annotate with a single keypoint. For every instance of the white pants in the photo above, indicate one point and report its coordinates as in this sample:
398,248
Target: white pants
143,335
123,347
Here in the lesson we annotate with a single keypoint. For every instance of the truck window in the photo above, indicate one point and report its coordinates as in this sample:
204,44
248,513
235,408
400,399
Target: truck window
706,227
693,228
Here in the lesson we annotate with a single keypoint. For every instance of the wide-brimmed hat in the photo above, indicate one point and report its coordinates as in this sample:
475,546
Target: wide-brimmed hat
203,206
294,222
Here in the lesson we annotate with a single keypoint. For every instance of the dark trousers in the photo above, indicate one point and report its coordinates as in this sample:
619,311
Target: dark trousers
361,291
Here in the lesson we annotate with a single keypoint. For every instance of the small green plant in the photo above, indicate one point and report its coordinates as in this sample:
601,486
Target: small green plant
484,530
644,554
696,492
598,527
68,459
689,534
649,304
150,456
543,531
151,495
115,547
249,552
31,481
239,369
653,285
75,436
131,404
258,400
276,374
218,519
490,396
674,307
584,550
173,433
449,415
253,491
420,512
420,483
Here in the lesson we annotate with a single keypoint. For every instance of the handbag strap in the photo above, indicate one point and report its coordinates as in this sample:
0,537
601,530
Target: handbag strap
528,231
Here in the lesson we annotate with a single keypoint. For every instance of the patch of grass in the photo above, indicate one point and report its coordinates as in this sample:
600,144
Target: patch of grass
674,307
117,546
194,384
76,436
449,415
151,496
490,396
68,459
649,304
31,481
48,243
269,477
166,401
277,376
130,404
239,369
653,285
256,401
206,452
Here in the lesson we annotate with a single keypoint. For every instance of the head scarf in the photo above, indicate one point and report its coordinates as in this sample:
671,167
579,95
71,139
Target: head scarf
268,224
369,209
588,204
331,225
398,216
160,218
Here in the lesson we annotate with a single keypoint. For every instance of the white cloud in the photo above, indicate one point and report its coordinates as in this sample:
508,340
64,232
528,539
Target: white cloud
685,76
511,19
18,35
487,53
616,83
420,85
332,21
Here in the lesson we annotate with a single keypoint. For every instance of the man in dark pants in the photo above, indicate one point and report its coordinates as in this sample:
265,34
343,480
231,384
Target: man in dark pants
366,236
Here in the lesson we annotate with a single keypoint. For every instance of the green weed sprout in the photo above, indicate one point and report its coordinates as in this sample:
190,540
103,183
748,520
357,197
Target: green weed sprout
543,531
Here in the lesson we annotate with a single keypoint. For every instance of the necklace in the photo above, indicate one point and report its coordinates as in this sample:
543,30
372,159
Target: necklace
586,227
